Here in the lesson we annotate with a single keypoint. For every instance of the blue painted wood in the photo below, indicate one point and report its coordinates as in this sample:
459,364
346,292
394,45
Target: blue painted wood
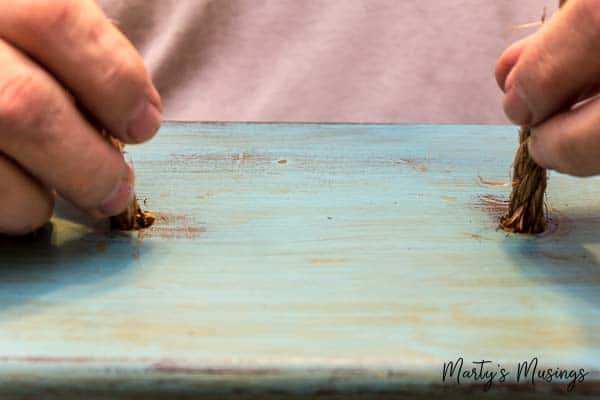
308,260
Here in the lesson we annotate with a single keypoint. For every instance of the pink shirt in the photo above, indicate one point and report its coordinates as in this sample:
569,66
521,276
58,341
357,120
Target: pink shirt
423,61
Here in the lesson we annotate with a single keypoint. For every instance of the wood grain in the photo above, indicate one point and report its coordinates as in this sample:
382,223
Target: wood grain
306,260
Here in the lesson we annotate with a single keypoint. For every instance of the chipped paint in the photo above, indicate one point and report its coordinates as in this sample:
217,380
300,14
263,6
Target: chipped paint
488,183
175,226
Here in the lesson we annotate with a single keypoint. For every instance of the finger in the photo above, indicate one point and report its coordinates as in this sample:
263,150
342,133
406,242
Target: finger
90,57
508,59
557,66
570,141
24,203
42,130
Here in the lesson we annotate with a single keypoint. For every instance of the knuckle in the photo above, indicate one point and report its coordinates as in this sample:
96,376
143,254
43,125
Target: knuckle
42,18
60,14
30,112
22,100
57,16
96,33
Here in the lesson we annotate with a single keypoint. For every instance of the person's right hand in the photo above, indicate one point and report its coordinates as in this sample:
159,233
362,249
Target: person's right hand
546,76
57,57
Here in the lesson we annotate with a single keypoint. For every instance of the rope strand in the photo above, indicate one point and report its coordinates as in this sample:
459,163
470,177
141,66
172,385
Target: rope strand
526,209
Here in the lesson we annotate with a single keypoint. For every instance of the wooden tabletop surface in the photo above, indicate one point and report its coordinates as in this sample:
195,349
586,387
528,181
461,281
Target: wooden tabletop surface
310,260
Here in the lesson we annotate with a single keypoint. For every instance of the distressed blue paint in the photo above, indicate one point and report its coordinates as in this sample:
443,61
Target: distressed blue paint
366,249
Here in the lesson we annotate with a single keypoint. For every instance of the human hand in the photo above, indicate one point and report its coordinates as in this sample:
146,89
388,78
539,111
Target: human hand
545,78
55,56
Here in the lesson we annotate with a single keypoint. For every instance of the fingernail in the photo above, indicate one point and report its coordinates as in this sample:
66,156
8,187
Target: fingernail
119,198
155,98
515,106
145,122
